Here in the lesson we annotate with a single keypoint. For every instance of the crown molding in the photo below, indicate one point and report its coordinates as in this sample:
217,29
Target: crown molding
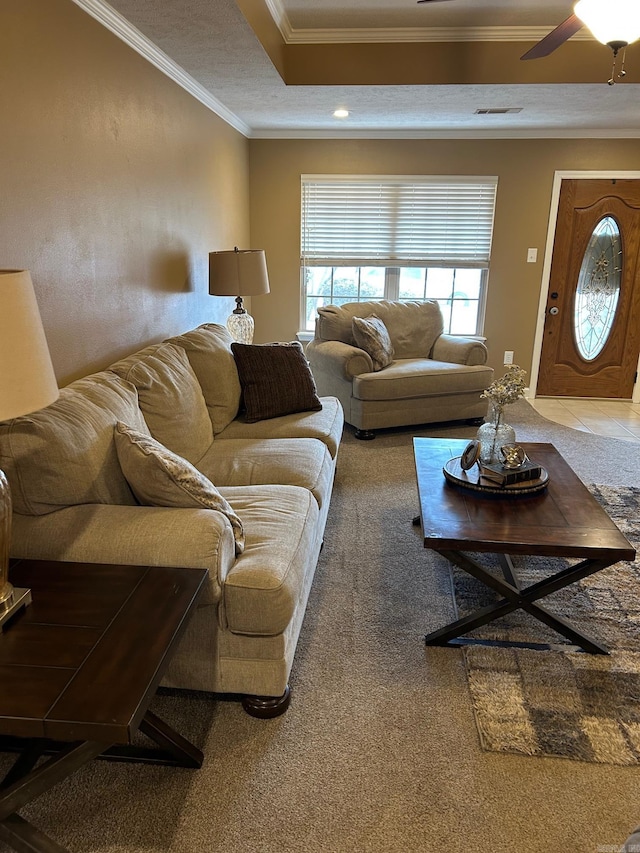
364,35
422,34
119,26
376,133
280,17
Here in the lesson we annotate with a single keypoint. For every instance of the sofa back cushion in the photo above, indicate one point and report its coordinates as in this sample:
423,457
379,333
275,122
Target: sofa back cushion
170,398
208,349
65,454
413,326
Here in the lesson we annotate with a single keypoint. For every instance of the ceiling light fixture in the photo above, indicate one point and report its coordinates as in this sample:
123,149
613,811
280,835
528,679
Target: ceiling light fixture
341,113
615,23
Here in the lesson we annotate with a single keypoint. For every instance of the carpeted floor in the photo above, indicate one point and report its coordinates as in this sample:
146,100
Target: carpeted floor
379,750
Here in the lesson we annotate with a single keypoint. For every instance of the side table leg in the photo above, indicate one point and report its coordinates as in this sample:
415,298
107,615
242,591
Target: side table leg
16,831
25,762
26,838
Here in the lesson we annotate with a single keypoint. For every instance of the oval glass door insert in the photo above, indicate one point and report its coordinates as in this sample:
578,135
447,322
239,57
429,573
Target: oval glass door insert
596,297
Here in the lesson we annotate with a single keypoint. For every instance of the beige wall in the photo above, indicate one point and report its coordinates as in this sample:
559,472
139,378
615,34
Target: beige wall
525,169
115,184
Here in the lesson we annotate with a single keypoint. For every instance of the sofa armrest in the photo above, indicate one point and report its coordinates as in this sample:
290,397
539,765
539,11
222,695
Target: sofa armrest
343,360
459,350
131,535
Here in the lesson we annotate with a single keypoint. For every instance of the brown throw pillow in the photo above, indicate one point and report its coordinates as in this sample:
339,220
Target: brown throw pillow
275,379
371,335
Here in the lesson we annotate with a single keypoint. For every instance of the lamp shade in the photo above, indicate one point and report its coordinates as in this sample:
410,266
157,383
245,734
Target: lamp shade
241,272
616,21
27,380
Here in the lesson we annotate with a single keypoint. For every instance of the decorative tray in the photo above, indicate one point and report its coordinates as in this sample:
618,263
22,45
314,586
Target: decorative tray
471,480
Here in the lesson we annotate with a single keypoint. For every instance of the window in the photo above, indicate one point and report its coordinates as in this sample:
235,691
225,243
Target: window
400,238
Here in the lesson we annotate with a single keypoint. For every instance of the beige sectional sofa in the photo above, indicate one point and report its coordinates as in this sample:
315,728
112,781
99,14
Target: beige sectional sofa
72,501
431,376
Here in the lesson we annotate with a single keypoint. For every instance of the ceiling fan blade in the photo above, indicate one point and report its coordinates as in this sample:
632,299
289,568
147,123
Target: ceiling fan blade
430,1
560,35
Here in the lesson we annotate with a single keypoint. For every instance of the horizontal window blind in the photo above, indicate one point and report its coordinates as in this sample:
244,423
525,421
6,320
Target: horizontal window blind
387,220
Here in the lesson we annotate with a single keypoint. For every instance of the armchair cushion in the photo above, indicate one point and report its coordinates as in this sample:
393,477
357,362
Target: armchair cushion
371,335
413,379
159,477
275,379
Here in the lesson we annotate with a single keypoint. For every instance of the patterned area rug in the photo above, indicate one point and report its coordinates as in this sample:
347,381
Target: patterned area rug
561,701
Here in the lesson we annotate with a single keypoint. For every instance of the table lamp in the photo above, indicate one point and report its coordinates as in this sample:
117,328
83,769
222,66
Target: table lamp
27,383
237,273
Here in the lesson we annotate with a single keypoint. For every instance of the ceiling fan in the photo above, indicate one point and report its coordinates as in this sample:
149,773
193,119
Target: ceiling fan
615,23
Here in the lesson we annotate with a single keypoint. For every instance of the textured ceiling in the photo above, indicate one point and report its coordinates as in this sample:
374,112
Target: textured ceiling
214,43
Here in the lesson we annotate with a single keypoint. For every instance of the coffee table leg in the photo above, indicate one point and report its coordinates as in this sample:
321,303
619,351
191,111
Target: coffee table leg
517,598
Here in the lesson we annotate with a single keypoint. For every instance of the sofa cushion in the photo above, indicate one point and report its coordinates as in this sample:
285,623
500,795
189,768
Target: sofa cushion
208,349
159,477
413,326
65,454
265,585
416,378
275,379
325,424
371,335
302,462
170,398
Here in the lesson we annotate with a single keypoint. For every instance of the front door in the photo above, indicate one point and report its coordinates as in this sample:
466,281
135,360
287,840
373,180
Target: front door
591,337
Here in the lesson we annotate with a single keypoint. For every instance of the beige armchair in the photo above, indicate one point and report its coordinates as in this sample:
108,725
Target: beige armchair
431,378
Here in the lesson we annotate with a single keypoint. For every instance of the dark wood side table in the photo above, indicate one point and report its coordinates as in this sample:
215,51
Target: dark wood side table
78,669
564,520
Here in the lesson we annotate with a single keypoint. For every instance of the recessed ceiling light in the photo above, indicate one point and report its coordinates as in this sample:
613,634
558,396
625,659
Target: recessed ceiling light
341,113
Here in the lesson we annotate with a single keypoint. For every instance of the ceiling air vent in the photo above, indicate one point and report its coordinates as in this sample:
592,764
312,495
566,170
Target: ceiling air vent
497,111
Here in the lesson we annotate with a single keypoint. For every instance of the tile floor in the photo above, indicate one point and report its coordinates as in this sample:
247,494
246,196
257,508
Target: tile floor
615,418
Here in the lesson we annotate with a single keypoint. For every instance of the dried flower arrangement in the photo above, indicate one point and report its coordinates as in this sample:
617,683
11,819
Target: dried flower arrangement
508,388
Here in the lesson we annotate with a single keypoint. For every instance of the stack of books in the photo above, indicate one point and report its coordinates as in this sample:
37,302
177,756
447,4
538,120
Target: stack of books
499,475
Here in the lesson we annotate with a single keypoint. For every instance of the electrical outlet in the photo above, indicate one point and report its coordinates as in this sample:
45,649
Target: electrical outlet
508,356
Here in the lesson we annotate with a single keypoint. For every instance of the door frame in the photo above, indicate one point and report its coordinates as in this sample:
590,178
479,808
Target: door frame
558,177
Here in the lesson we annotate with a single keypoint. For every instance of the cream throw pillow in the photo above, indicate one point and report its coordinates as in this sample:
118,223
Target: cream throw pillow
371,335
159,477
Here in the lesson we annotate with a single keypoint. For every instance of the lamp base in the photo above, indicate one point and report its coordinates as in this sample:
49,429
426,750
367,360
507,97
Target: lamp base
20,598
240,327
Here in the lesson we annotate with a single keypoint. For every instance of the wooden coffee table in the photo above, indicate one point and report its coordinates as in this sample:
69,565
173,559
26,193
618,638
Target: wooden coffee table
564,520
78,669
